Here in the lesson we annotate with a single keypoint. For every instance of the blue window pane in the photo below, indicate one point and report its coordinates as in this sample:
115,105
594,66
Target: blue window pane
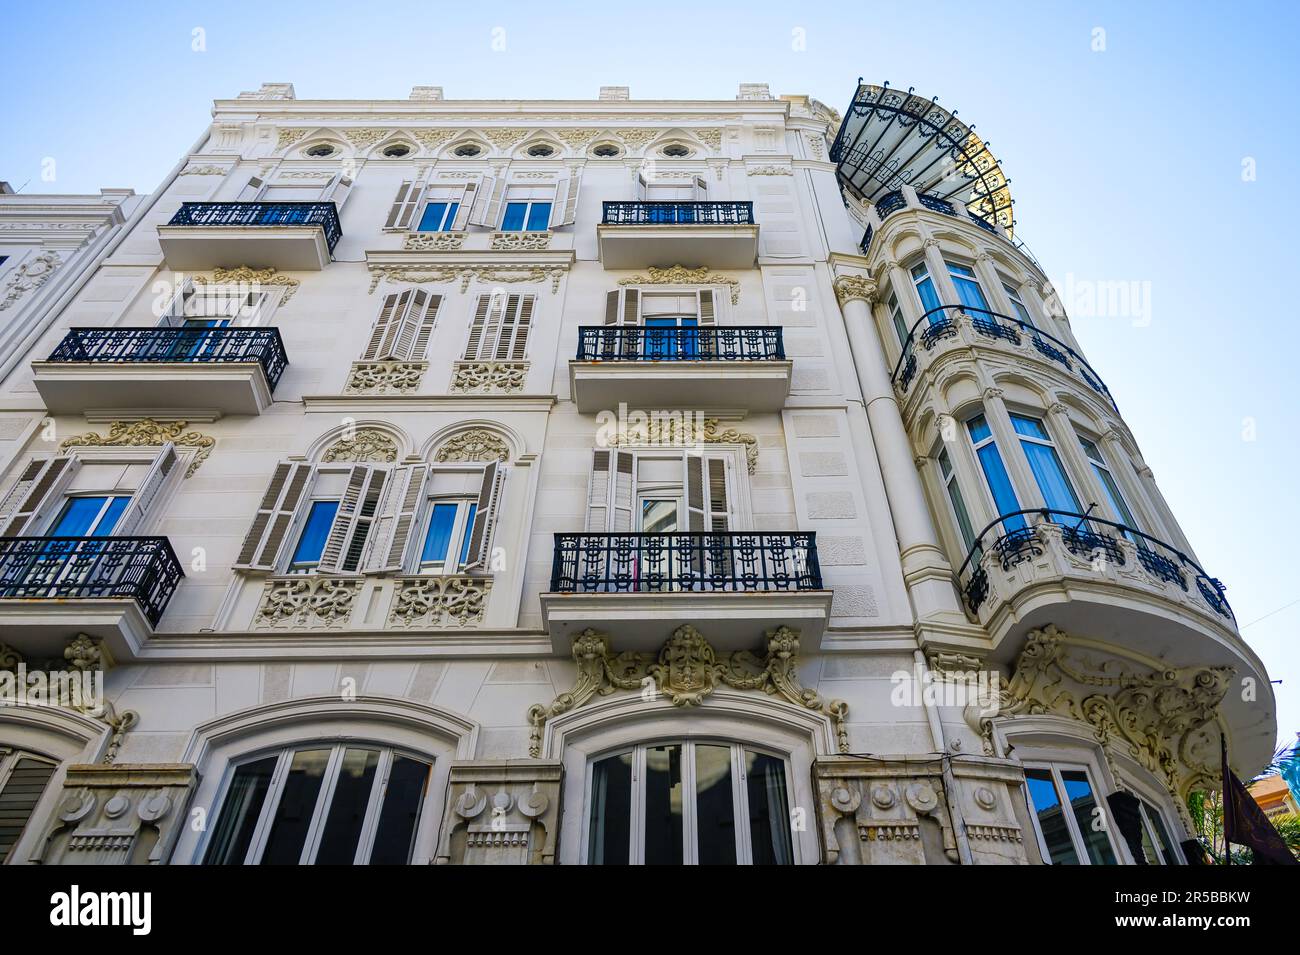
438,538
451,216
434,213
979,428
514,217
314,532
1052,482
1031,427
539,217
970,293
469,532
78,514
1004,495
929,299
111,516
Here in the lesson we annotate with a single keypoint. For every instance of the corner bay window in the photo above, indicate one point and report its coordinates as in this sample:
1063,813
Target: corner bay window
1049,473
337,804
692,803
995,472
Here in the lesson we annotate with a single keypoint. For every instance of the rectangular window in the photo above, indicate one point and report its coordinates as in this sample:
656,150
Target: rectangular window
500,327
925,291
89,516
1118,506
955,499
1072,827
311,542
896,316
1018,306
527,208
438,216
23,778
449,531
968,288
995,473
1046,466
1157,847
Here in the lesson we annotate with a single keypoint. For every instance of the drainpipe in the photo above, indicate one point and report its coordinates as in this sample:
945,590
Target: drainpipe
949,780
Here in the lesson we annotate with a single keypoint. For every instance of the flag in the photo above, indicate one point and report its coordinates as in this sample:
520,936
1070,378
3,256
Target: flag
1245,823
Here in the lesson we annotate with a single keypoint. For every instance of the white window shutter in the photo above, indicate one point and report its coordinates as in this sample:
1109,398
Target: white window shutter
402,212
252,191
346,541
512,334
486,210
337,191
598,492
386,549
642,188
697,505
564,210
719,493
485,516
700,192
409,325
20,796
707,307
174,315
466,205
477,326
631,306
622,491
420,350
39,489
612,301
275,515
142,500
387,325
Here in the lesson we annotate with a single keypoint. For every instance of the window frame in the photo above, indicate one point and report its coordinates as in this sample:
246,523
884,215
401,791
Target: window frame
10,755
462,531
1071,482
530,204
952,491
1054,768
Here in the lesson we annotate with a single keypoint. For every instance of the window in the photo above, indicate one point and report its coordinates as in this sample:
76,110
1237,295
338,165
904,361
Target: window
438,216
1046,466
969,292
403,328
900,323
467,150
527,208
1157,847
397,151
23,778
541,151
1071,826
89,516
676,151
925,291
1018,306
1118,506
426,208
449,533
661,491
339,804
692,803
500,327
995,473
955,499
311,542
604,151
321,151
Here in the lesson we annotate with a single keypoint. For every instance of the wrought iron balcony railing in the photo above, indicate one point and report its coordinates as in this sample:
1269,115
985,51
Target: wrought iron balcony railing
678,213
1015,537
635,343
263,214
67,568
940,323
685,563
186,345
895,201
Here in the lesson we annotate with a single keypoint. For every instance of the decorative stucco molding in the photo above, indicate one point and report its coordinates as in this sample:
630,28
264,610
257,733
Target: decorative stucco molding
850,288
422,602
636,138
489,276
385,377
769,171
519,241
575,138
367,444
29,276
433,241
680,275
307,602
677,430
485,377
148,433
686,672
366,136
710,137
502,812
288,136
431,139
246,276
504,138
204,171
474,444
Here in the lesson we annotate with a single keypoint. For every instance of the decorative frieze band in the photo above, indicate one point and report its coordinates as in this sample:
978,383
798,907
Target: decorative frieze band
385,377
147,433
307,602
429,602
489,377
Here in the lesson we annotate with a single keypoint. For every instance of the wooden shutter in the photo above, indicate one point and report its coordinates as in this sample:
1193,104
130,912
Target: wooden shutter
144,496
252,191
275,515
402,212
707,309
700,192
337,191
697,506
420,349
477,327
565,207
598,492
412,326
346,542
719,495
387,324
642,188
487,203
174,315
512,335
22,791
466,204
386,549
622,491
612,301
39,487
485,515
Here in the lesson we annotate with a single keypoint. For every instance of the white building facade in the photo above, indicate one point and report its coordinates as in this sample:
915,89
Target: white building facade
591,482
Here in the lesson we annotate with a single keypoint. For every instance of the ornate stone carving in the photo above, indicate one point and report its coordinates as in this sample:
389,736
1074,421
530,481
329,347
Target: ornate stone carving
433,241
146,433
125,814
423,602
475,444
710,137
769,171
686,672
203,171
490,276
519,241
431,139
575,138
385,377
366,136
307,602
849,288
29,276
367,444
483,377
673,429
501,813
288,136
949,663
818,146
246,276
635,138
679,275
504,138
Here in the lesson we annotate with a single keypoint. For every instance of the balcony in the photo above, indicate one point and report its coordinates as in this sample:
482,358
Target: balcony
196,372
954,331
641,587
723,368
290,236
113,588
718,235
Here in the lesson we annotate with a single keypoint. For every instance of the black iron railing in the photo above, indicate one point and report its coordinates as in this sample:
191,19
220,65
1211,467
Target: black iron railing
1013,538
928,330
186,345
678,213
892,202
685,563
268,214
635,343
144,569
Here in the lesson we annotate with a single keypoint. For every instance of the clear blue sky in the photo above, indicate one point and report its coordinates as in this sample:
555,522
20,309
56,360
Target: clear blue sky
1126,164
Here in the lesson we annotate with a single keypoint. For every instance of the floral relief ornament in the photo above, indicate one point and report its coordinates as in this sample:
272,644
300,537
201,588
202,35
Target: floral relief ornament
367,444
148,433
254,277
680,275
29,276
476,444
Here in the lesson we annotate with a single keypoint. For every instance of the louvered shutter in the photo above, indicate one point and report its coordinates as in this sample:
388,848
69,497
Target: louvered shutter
402,212
622,491
409,325
22,791
697,506
466,205
598,492
154,481
275,515
487,203
420,350
252,191
477,326
700,192
386,549
565,208
612,302
706,315
39,488
386,327
719,493
174,314
512,340
631,316
485,516
337,191
642,188
346,541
